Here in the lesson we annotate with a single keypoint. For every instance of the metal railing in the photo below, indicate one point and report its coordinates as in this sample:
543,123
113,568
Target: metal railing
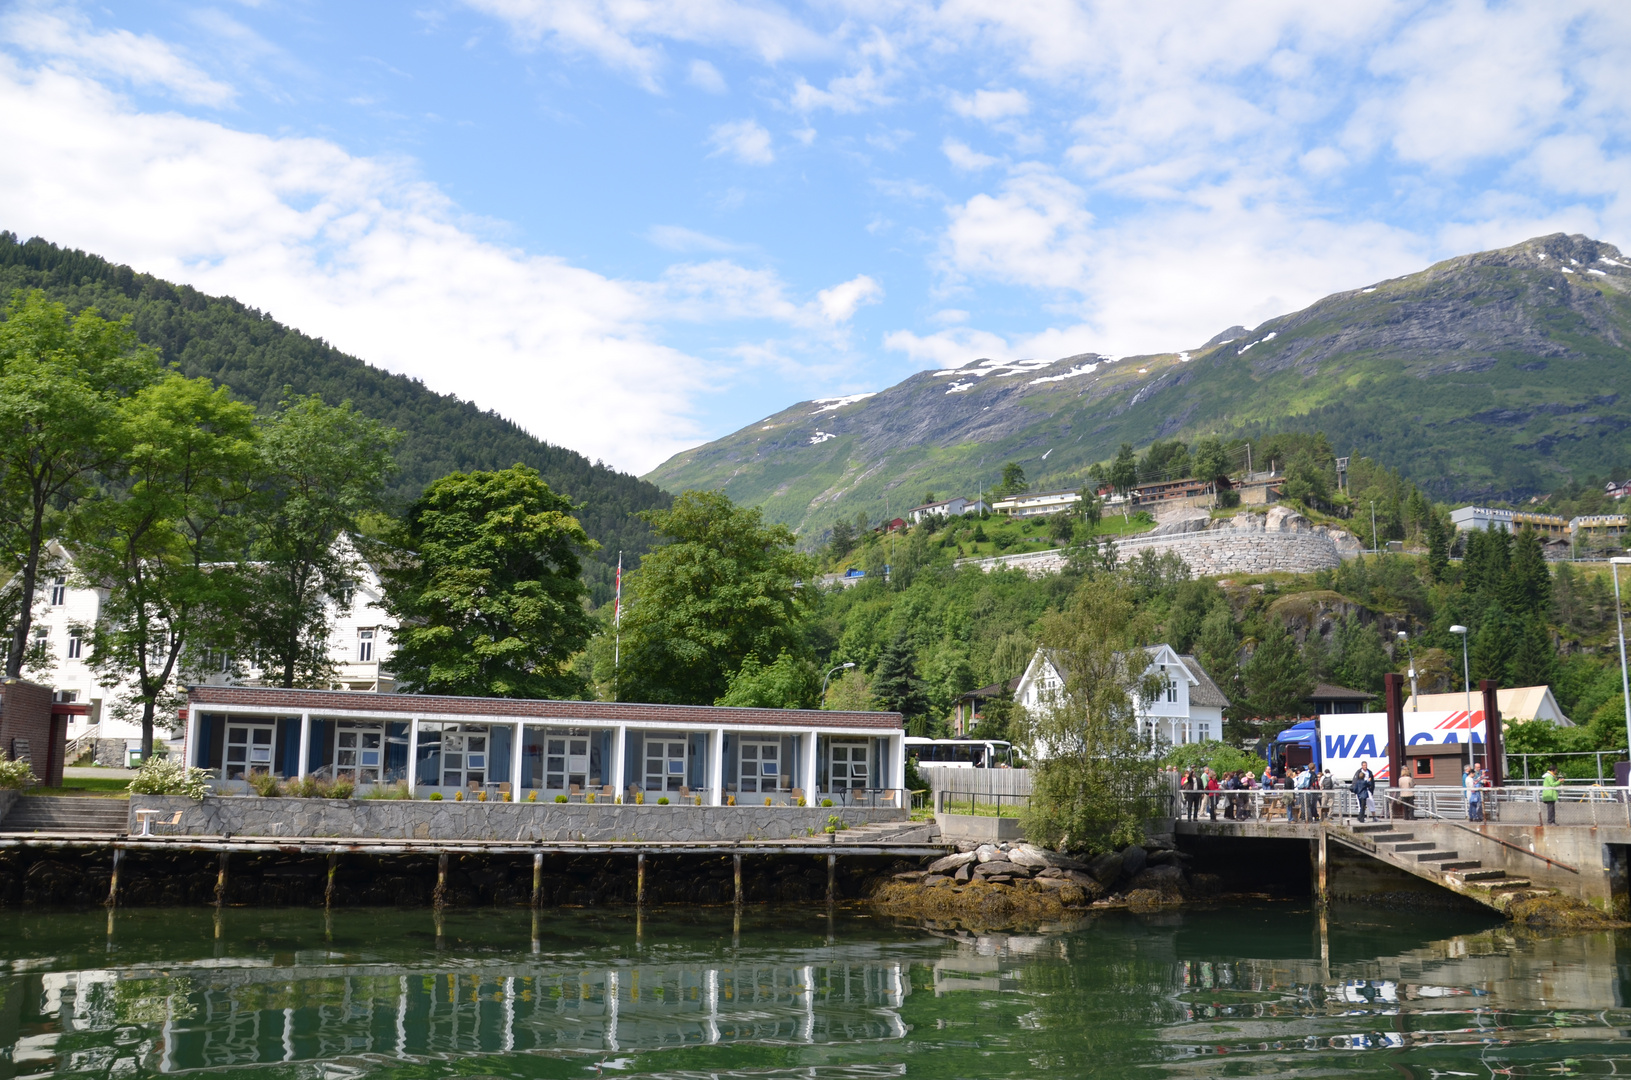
981,803
1523,760
1577,804
1409,811
85,741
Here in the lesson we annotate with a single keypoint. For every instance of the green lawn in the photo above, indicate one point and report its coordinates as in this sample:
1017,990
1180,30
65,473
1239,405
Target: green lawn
111,786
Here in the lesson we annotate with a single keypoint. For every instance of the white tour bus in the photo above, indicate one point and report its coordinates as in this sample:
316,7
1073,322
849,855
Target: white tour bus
961,753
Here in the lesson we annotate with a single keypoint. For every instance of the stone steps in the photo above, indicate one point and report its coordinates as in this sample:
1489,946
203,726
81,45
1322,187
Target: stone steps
67,814
1424,859
1437,856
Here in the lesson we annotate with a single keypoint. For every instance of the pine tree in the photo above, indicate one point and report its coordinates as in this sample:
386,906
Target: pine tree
1277,680
896,687
1362,661
1438,546
1493,647
1534,660
1527,586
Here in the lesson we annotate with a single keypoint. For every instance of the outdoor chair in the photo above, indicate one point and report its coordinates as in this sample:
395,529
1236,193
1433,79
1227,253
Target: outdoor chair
574,794
503,789
608,792
798,793
887,797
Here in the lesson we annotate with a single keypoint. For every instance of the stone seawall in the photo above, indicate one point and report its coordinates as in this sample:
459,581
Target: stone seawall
391,819
1281,541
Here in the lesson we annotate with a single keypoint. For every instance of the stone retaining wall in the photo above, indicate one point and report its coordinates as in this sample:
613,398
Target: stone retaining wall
1281,541
8,799
391,819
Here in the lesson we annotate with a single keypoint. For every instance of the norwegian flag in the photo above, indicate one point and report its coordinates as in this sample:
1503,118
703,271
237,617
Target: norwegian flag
617,602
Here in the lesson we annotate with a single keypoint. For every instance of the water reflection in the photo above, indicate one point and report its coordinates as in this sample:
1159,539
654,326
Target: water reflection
1273,991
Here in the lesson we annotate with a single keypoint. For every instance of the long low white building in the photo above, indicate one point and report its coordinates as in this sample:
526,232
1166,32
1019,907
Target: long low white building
573,748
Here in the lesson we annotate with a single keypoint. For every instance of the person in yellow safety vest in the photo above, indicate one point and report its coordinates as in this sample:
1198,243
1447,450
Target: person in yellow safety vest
1549,786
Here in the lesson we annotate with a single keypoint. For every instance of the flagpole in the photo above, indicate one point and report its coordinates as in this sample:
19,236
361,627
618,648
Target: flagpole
617,626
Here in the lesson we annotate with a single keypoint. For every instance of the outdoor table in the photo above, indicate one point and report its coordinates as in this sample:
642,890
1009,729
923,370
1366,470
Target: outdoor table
146,817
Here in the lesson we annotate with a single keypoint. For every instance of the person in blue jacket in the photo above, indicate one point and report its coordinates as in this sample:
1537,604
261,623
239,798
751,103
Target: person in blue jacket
1363,787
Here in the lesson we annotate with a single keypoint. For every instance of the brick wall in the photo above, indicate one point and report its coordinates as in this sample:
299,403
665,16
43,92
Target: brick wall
25,714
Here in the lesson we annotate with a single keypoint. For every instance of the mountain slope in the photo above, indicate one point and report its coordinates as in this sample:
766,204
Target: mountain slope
246,350
1494,375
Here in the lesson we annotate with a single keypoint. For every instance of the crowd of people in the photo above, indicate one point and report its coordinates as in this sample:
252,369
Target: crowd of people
1304,793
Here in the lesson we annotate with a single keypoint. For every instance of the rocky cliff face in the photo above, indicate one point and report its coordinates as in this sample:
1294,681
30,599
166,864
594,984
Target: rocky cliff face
1497,374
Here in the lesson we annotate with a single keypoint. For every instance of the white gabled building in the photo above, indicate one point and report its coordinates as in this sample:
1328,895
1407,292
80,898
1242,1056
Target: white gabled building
946,508
359,648
1189,709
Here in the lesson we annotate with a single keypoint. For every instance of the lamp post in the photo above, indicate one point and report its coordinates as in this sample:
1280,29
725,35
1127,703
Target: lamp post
827,676
1466,684
1614,565
1405,639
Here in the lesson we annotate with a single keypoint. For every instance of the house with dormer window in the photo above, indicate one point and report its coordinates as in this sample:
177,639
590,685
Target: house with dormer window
1188,707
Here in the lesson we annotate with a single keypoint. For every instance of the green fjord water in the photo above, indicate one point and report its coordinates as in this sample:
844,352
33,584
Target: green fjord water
1263,991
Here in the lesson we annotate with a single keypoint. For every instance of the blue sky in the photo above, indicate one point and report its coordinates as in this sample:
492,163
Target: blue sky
634,225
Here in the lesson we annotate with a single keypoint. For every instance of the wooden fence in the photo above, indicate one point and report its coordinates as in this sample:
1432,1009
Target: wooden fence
977,782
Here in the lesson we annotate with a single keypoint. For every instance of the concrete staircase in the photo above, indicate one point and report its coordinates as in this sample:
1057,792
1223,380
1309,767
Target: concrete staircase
891,832
60,814
1394,844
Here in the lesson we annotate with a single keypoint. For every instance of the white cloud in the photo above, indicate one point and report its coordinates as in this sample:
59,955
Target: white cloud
679,238
65,36
962,157
744,140
1033,232
704,76
628,34
991,105
355,250
839,303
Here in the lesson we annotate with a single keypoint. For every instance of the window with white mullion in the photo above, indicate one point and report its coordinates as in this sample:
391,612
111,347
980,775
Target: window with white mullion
759,766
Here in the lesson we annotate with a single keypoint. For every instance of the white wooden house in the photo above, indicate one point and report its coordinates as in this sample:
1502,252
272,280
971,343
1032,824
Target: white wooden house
1189,708
359,649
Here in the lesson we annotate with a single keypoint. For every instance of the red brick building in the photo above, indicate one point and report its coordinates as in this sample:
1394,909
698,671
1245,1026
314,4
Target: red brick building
30,729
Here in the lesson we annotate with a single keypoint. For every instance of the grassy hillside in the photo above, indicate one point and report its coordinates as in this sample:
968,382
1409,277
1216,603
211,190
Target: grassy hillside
1494,376
241,348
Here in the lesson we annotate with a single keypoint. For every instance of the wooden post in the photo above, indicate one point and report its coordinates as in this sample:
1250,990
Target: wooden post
333,865
1322,893
832,877
1494,757
113,884
221,881
1393,699
737,864
640,880
439,897
537,880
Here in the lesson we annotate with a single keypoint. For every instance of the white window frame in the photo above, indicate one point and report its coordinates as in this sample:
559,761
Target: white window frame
246,752
59,592
841,775
76,645
365,645
662,753
753,756
359,749
566,762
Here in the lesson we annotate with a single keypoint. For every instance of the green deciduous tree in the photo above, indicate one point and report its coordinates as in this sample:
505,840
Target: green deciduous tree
1013,481
163,539
61,381
485,585
323,468
789,683
1092,777
720,589
842,540
1360,661
1122,475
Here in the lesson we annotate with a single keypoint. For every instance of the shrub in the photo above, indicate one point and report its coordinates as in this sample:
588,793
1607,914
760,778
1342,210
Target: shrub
835,823
166,776
398,790
265,785
767,800
826,802
802,801
481,796
730,800
337,789
532,796
16,775
589,798
436,796
639,798
458,796
662,800
560,798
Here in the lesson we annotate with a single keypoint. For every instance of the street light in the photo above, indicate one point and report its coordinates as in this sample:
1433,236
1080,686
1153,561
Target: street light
1466,684
1625,683
824,679
1405,638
